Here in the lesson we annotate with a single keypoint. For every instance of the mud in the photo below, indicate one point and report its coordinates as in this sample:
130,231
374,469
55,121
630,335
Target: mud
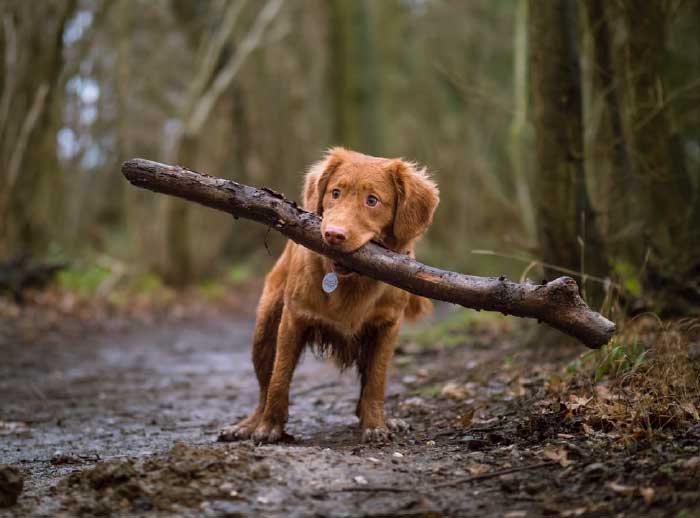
124,423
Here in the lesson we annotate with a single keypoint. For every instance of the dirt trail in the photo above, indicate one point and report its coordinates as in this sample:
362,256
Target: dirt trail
125,423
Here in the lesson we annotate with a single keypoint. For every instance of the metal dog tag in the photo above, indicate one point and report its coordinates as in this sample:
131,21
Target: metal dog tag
330,282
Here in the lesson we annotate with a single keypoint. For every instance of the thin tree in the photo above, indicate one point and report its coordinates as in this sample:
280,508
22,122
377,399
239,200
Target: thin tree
666,248
30,67
353,76
566,226
216,71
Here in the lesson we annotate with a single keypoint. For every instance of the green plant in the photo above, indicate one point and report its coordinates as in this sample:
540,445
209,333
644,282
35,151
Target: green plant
445,334
240,272
629,277
211,290
147,284
618,358
84,281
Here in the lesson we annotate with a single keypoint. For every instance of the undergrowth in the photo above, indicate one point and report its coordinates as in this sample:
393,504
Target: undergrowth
646,381
105,287
452,330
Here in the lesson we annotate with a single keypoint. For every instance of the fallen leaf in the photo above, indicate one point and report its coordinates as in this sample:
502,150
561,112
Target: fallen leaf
13,427
689,407
557,455
647,494
478,469
587,429
603,392
411,403
454,391
556,384
466,418
575,402
692,463
621,488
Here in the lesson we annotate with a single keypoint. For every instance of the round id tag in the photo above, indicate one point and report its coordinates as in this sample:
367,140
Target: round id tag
330,282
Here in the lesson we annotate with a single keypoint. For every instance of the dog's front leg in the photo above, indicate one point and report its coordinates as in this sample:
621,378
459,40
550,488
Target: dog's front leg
290,343
374,373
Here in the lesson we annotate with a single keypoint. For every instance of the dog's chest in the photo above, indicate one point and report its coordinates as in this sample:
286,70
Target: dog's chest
347,310
351,305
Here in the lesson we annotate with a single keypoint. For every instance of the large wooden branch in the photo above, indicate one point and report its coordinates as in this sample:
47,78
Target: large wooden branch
557,302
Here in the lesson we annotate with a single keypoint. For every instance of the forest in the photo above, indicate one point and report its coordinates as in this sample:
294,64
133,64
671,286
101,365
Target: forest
564,137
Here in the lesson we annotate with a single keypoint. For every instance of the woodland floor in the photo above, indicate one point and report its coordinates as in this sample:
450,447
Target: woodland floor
121,419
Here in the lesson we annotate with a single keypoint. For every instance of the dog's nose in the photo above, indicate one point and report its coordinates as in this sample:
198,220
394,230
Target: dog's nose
334,235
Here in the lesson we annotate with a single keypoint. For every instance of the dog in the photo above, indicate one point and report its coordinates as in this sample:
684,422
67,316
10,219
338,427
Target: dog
360,198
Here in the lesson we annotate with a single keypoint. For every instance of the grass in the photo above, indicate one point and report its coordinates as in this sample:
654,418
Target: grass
644,382
111,286
84,281
450,331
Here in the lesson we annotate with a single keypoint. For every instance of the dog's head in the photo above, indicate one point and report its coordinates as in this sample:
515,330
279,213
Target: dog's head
362,198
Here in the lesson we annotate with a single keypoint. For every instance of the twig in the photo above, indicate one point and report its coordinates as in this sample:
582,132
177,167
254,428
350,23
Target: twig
267,247
491,474
374,489
449,483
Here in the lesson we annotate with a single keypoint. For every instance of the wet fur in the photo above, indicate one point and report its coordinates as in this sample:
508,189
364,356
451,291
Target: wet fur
358,323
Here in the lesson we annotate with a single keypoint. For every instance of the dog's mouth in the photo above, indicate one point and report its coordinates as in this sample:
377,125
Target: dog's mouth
340,270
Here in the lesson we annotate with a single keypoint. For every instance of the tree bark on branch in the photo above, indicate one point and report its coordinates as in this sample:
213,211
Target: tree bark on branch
557,302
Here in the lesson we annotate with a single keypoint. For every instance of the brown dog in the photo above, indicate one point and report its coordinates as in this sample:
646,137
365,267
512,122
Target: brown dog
360,198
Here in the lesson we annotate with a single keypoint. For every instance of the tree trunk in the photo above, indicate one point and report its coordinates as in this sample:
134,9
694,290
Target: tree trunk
566,227
517,146
31,57
352,78
659,195
557,302
176,263
607,156
218,67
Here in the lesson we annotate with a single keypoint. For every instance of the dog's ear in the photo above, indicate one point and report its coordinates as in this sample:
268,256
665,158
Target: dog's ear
417,197
317,178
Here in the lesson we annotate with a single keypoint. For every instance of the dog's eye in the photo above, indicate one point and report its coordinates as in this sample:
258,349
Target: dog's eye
372,200
335,193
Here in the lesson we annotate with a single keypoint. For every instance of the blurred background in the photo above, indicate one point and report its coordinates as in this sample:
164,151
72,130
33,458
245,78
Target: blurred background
564,135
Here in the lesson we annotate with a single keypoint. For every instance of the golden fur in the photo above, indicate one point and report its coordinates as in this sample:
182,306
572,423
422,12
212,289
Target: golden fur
360,198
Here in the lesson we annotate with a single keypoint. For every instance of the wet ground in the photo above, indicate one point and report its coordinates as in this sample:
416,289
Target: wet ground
123,422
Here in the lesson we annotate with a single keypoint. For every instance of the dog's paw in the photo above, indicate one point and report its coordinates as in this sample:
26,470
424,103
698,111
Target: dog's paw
378,434
267,433
398,425
235,432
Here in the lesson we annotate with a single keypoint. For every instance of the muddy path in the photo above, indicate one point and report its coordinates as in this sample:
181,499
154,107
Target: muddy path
124,423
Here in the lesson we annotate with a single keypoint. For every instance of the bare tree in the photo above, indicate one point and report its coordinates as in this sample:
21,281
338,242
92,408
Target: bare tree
31,65
213,77
517,143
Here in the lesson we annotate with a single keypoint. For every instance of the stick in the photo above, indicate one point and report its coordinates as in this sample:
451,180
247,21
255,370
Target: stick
491,474
449,483
557,302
